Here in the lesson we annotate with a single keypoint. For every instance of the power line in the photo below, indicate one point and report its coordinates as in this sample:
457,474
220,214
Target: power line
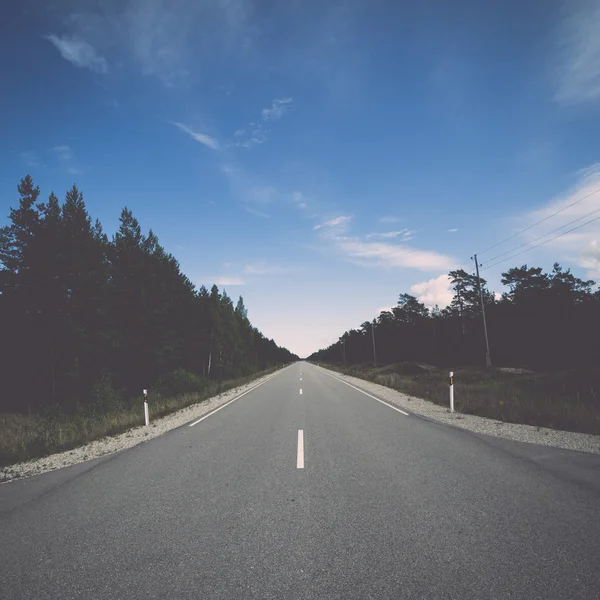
543,236
510,237
542,243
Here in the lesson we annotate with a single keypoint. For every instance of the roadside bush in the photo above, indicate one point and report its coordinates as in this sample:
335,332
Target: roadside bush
567,400
104,396
180,382
404,368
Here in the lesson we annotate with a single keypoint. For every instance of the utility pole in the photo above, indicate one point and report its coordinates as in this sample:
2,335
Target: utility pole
462,318
373,336
488,360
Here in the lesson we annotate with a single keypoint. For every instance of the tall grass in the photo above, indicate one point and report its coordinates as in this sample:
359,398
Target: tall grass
566,400
23,437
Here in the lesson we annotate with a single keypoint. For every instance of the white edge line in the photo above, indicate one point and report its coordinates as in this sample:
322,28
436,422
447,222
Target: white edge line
366,393
233,400
300,460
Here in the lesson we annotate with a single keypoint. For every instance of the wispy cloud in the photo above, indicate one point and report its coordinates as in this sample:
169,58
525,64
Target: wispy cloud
278,108
63,152
30,159
452,230
79,53
256,212
252,135
299,200
203,138
181,42
335,222
229,281
384,255
436,291
579,68
262,194
172,41
406,235
66,155
367,253
580,247
255,132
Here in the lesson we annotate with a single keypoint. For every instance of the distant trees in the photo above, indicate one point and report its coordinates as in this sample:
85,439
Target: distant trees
544,320
80,312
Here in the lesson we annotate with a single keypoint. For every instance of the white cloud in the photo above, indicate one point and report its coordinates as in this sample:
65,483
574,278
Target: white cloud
66,155
203,138
183,42
452,230
379,254
579,247
436,291
171,41
386,235
579,40
256,212
79,52
299,200
278,108
262,194
252,193
229,281
30,158
335,222
255,133
63,152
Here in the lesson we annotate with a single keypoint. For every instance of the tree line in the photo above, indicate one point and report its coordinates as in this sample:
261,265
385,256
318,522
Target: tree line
544,321
81,312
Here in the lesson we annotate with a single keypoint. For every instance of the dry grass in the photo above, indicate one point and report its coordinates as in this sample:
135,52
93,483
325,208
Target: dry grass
562,400
23,437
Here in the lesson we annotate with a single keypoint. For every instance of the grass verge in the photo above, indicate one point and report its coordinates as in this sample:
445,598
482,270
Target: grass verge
23,437
565,400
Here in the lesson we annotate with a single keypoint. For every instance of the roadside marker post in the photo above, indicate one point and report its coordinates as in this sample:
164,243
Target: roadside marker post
146,414
451,391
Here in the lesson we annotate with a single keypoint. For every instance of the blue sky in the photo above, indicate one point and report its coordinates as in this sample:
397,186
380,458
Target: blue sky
319,158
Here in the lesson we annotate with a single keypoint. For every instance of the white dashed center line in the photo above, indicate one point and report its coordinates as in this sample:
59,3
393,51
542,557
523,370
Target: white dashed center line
300,460
301,391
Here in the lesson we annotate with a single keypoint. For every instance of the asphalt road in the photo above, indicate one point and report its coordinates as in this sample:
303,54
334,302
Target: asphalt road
386,506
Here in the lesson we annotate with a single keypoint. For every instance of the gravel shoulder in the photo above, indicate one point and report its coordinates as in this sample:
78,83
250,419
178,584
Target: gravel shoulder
124,440
582,442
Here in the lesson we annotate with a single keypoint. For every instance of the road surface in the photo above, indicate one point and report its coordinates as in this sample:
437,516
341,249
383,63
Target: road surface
323,494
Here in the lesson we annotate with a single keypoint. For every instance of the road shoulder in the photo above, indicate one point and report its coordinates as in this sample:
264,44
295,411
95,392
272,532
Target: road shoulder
568,440
127,439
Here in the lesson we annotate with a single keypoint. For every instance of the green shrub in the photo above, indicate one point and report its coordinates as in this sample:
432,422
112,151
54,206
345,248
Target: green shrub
104,396
180,382
404,368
